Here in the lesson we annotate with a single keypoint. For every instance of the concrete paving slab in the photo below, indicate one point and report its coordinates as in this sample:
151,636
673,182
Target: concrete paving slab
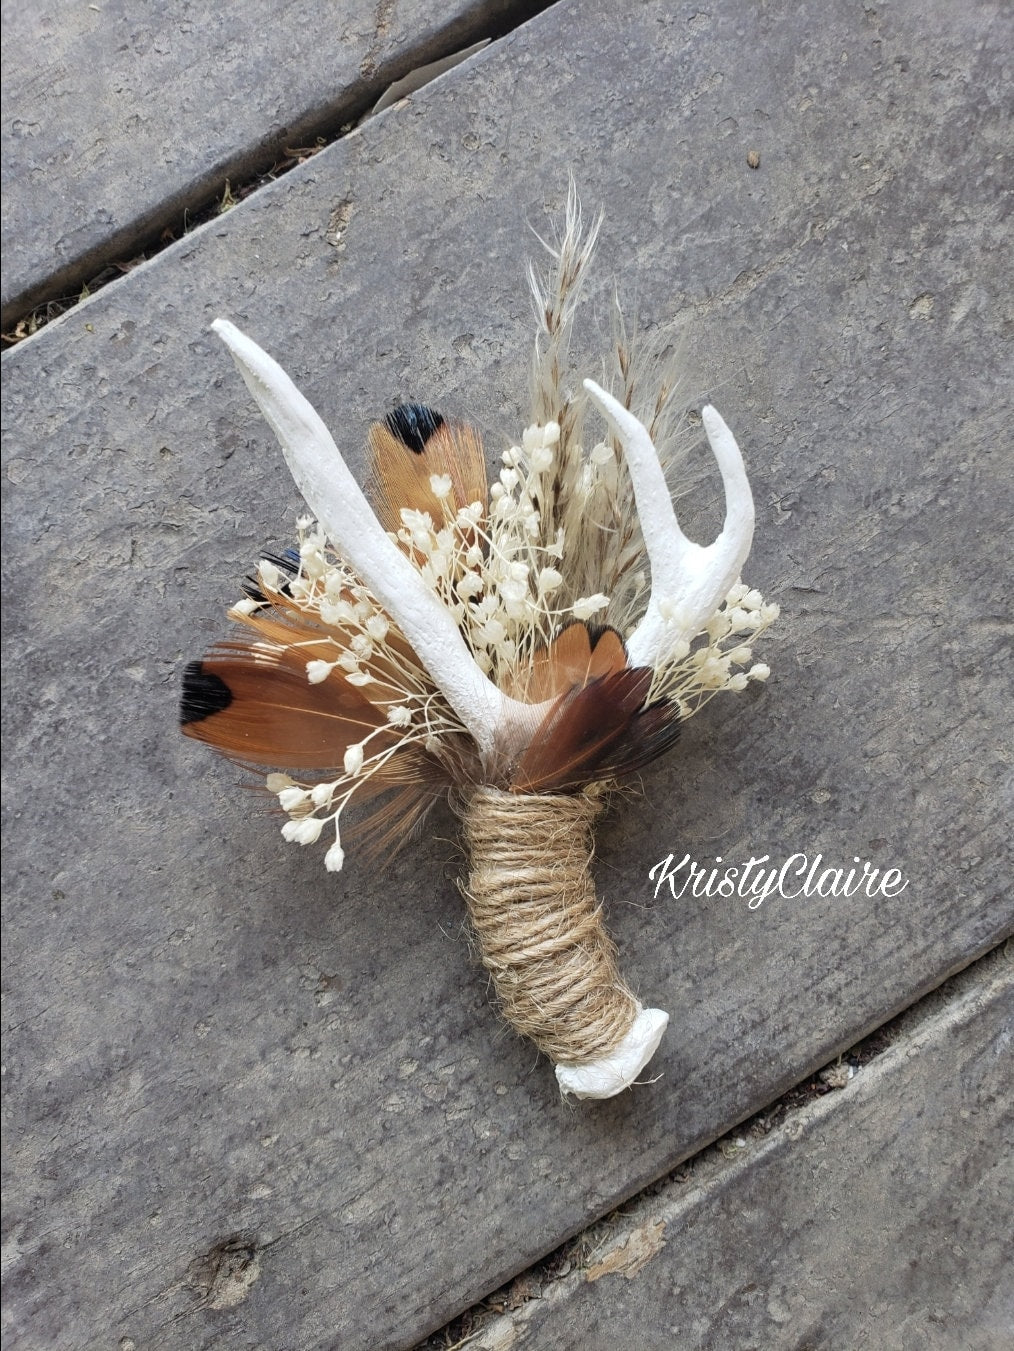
877,1216
252,1104
118,118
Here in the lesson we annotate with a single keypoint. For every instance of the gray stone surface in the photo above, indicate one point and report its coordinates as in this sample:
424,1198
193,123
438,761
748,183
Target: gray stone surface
878,1216
119,117
221,1060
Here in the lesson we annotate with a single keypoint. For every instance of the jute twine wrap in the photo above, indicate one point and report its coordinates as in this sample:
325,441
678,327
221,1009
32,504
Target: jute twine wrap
532,903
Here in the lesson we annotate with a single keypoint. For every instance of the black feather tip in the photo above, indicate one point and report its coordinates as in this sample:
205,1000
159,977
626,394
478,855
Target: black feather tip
413,424
203,694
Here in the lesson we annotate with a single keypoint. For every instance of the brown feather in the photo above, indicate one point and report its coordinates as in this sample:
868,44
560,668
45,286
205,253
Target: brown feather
581,729
312,642
400,475
252,701
573,659
383,830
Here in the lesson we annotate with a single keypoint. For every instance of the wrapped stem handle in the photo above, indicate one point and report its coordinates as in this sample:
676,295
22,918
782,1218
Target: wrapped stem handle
532,903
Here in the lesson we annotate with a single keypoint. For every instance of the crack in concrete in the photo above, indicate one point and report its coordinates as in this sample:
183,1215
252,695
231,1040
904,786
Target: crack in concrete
250,171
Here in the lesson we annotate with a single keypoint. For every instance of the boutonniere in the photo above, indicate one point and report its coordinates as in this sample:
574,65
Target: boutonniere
517,646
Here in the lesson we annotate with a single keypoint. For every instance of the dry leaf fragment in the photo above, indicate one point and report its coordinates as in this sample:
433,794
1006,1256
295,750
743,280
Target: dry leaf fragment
635,1252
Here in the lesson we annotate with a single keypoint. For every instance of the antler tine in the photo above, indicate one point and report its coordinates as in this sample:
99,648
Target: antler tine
338,503
688,581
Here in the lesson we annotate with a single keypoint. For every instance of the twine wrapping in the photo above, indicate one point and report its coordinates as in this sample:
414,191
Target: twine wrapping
532,903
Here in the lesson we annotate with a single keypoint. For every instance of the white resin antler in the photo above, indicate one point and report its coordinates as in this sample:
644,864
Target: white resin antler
338,503
612,1073
688,581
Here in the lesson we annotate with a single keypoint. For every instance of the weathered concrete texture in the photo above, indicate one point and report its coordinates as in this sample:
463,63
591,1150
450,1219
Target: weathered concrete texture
216,1049
118,117
879,1216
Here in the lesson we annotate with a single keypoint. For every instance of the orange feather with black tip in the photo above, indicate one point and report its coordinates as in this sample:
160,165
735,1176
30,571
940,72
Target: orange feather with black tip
410,446
570,661
253,702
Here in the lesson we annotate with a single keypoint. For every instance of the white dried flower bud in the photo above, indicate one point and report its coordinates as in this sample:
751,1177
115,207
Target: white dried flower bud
318,671
345,611
377,627
493,632
586,606
674,613
334,858
416,520
714,673
760,671
312,561
440,485
291,798
441,561
549,580
305,831
354,759
513,593
469,585
269,575
399,715
720,624
359,678
602,454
